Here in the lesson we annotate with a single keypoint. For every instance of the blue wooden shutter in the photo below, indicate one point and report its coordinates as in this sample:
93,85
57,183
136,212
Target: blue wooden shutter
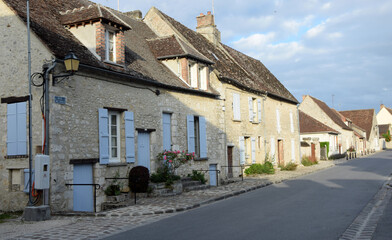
16,129
191,133
236,107
259,109
129,137
166,122
242,150
203,137
103,136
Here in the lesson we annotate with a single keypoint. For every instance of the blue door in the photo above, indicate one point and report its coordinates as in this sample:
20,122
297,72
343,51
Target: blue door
83,198
213,175
166,119
143,149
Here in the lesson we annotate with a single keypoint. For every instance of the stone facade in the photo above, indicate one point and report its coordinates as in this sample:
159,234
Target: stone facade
14,83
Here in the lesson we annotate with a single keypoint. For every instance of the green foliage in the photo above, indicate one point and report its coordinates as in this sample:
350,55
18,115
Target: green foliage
9,215
163,175
337,156
289,167
114,189
198,176
307,162
258,168
387,136
325,144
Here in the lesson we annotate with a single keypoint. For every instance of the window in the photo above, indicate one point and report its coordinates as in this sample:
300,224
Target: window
110,37
193,74
109,136
236,107
242,149
114,136
197,135
203,77
254,110
16,129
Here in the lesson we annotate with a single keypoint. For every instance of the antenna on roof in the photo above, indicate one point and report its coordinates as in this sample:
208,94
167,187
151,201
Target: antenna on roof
213,10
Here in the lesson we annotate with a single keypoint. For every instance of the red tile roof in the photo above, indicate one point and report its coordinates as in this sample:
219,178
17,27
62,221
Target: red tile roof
307,124
363,118
331,114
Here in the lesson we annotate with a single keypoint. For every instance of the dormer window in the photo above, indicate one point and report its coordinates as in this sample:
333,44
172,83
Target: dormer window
197,75
110,37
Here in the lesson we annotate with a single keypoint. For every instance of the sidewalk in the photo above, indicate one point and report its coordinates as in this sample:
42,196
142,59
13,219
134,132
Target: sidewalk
146,210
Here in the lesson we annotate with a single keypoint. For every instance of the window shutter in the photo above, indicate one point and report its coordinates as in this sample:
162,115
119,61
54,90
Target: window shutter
12,130
253,145
278,120
203,137
103,136
129,137
242,150
236,106
191,134
291,122
166,121
272,154
250,109
292,150
259,109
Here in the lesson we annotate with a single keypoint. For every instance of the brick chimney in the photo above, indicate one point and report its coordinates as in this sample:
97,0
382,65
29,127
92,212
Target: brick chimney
206,27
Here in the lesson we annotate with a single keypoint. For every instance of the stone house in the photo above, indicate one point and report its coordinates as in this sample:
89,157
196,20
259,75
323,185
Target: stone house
366,119
120,109
260,114
129,101
322,113
313,133
384,116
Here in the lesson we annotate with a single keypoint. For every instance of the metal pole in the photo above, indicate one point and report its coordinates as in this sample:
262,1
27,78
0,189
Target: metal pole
30,203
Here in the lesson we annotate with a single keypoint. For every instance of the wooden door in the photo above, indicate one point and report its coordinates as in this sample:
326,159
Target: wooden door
280,153
230,162
313,149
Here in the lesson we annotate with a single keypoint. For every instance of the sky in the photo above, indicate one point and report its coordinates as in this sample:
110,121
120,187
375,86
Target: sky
339,51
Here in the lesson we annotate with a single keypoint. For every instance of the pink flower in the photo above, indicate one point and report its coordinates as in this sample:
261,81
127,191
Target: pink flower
193,153
164,157
170,161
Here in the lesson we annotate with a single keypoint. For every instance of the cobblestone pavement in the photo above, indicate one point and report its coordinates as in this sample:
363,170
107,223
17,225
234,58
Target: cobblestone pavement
146,211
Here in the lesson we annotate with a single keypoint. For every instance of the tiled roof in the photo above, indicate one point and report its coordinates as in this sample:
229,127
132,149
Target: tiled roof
307,124
331,114
234,66
362,118
171,47
93,12
46,22
383,128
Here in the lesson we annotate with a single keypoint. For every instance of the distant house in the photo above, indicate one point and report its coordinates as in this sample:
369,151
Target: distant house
385,129
313,133
366,119
384,116
322,113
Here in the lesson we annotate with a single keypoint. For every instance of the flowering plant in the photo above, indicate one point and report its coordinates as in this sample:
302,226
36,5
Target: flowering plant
171,160
351,149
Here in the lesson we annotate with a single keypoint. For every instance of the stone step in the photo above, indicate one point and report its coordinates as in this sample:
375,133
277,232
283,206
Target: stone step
109,206
190,183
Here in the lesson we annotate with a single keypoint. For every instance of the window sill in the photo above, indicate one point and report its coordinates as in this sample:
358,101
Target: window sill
235,120
15,156
116,164
113,63
201,159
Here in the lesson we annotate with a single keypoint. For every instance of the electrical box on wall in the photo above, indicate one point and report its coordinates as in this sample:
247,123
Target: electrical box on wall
42,176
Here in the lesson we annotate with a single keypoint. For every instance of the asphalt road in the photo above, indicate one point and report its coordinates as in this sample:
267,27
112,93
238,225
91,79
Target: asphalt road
318,206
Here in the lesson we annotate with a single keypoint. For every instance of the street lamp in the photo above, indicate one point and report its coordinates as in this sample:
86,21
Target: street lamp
71,63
